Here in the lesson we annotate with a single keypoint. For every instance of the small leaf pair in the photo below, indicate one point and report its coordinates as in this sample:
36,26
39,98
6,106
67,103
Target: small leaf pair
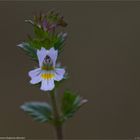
42,111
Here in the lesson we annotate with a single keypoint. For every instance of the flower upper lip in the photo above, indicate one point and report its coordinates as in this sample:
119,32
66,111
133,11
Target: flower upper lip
42,53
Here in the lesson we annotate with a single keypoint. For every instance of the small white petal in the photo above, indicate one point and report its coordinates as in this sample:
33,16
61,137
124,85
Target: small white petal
34,72
41,54
59,74
36,79
47,85
53,54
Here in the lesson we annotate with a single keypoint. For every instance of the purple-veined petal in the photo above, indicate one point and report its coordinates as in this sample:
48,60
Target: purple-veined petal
59,74
41,55
34,72
36,79
53,54
47,85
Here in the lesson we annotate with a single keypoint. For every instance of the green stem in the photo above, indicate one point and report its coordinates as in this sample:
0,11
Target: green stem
57,123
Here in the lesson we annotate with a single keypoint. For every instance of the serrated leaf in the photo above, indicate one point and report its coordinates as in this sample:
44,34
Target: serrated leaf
71,103
39,111
28,49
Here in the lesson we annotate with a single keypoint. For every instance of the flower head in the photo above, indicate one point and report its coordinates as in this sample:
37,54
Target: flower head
48,22
47,71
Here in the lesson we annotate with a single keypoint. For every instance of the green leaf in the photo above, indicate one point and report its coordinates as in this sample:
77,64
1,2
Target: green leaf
40,33
39,111
71,103
28,49
59,44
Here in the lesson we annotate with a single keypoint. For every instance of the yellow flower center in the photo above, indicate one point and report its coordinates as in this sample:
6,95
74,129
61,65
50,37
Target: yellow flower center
47,76
47,67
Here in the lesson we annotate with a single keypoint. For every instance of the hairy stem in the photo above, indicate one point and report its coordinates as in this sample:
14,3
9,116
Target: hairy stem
57,123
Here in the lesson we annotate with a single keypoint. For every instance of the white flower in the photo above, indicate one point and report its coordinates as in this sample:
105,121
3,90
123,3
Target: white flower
47,71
